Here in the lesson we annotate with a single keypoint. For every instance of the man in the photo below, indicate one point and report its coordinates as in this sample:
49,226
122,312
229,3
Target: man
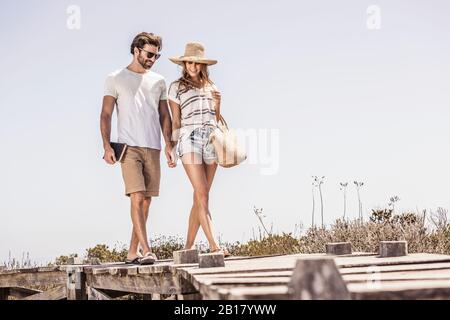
142,112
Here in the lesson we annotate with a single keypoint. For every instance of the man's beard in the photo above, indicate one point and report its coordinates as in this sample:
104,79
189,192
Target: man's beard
143,64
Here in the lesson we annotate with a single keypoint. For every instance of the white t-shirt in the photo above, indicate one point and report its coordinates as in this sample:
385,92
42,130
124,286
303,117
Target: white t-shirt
197,107
137,98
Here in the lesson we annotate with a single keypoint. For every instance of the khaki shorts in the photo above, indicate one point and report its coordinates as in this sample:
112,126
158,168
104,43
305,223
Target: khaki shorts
141,171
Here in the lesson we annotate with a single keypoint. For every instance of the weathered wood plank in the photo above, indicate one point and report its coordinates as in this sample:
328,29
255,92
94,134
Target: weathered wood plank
190,296
81,268
4,293
152,283
257,293
264,274
22,292
402,267
94,294
287,262
124,271
242,281
402,275
215,282
412,289
417,258
158,267
32,279
57,293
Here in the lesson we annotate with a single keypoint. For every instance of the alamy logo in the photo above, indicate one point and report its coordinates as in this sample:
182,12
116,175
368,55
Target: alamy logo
74,17
373,21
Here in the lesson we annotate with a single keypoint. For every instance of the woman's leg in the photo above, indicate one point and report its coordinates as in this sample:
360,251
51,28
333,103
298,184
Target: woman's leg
195,169
194,223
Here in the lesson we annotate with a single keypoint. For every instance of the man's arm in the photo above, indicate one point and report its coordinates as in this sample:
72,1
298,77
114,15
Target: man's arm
165,121
166,127
105,127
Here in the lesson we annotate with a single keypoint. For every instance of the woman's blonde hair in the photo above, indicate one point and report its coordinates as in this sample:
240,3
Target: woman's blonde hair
186,83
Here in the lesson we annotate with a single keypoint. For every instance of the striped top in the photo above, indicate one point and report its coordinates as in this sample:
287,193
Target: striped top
197,107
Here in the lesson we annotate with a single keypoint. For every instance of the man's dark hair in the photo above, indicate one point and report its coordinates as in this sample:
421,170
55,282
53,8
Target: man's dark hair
144,38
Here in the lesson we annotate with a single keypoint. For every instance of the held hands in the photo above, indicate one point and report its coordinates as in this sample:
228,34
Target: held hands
171,155
109,156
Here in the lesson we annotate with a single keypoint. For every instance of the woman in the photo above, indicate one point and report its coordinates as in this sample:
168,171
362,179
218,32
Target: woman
195,104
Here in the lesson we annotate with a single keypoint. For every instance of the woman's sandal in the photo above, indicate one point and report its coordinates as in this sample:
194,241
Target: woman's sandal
148,258
222,250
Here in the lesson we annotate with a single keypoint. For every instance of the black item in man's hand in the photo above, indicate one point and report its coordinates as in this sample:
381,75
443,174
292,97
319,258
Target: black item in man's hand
119,150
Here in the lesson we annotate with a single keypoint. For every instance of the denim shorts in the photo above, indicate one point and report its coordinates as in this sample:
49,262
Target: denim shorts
198,142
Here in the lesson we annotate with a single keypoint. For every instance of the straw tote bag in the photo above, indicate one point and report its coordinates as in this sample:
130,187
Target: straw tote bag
229,153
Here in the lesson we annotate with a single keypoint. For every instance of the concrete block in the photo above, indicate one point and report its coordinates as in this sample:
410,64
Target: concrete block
317,278
185,256
210,260
393,249
339,248
74,260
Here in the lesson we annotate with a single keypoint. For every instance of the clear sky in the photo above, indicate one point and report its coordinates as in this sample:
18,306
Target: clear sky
337,97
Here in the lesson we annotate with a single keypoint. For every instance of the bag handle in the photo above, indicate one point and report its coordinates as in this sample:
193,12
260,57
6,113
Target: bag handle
222,119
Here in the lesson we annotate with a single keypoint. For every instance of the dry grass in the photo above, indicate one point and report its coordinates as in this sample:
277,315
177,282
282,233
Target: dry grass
425,232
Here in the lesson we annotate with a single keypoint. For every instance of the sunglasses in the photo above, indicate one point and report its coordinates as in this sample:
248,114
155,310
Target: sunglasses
151,54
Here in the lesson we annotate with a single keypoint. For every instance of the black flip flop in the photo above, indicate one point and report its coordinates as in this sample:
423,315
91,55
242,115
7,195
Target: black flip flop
134,261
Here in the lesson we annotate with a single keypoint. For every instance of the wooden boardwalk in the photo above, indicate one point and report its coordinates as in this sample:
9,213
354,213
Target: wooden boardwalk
366,276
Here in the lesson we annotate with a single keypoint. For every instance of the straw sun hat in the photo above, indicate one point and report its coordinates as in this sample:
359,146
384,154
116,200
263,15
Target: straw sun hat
194,52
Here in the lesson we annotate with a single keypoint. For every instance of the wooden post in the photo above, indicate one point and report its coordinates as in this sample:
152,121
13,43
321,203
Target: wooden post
4,293
393,249
210,260
185,256
76,284
317,278
339,248
189,296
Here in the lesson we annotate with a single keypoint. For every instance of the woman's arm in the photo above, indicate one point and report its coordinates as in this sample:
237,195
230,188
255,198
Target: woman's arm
176,120
216,97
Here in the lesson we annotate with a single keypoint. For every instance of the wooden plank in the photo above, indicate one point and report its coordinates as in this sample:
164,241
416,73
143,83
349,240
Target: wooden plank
417,258
401,275
392,268
162,283
158,267
277,263
94,294
123,271
4,293
412,289
22,292
190,296
32,279
214,283
98,271
263,274
256,293
57,293
242,281
81,268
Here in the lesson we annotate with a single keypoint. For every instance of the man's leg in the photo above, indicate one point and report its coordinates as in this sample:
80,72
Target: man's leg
134,243
139,221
